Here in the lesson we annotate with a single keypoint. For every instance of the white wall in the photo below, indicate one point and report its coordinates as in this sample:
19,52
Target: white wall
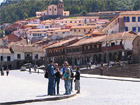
128,44
6,55
22,56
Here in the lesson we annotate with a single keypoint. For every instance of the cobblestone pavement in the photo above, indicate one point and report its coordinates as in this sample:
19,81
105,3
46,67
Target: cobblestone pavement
93,91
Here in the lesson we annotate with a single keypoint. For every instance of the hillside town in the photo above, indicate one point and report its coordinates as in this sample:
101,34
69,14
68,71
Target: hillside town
78,39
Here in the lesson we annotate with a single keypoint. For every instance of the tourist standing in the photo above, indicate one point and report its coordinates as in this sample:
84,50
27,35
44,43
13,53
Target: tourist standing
51,78
58,76
77,80
63,72
67,79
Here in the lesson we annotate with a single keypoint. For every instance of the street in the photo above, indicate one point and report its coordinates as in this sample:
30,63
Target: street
22,85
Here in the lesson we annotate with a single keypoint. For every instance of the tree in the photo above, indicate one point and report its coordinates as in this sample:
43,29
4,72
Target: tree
137,5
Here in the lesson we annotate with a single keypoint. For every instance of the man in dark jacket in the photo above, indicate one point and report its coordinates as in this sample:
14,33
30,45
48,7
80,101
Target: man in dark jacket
51,78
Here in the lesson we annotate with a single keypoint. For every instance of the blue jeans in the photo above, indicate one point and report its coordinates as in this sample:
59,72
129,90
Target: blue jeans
51,86
67,87
57,81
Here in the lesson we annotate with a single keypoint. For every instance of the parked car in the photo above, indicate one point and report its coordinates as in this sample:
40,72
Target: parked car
25,66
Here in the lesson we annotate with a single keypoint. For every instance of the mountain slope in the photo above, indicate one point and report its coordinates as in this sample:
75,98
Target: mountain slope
14,10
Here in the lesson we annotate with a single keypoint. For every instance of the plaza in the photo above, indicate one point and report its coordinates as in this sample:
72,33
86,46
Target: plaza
95,90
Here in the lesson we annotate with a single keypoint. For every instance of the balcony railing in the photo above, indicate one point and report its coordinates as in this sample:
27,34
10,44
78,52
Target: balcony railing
115,47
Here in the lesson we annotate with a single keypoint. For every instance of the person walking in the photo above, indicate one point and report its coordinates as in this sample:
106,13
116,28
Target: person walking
67,79
58,76
7,71
77,80
101,69
29,68
51,79
35,67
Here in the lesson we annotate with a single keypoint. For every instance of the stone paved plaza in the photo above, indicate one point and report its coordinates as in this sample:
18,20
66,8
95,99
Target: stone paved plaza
22,86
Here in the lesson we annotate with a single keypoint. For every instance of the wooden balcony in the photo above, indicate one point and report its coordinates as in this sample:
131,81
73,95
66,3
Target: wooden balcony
55,54
91,51
110,48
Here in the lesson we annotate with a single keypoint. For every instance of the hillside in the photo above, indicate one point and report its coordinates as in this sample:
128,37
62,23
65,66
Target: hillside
14,10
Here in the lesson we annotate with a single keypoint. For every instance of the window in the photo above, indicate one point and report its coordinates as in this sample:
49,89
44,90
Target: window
36,56
126,28
8,58
88,47
84,30
55,9
1,58
63,32
124,19
79,30
138,19
50,9
70,21
133,19
74,30
134,29
128,19
18,56
138,29
112,44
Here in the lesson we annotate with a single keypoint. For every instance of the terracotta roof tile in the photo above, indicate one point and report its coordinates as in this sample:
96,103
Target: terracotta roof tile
87,41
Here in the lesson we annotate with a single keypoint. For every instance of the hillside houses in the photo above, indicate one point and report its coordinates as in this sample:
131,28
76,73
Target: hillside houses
77,39
125,21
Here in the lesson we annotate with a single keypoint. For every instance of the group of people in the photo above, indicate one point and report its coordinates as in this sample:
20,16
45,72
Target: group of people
66,74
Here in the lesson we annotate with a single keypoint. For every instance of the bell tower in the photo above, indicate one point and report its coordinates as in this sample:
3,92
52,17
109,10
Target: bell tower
60,8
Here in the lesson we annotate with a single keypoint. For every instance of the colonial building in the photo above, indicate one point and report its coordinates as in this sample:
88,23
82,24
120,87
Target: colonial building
125,21
14,56
26,54
54,10
117,46
103,48
56,51
6,58
81,30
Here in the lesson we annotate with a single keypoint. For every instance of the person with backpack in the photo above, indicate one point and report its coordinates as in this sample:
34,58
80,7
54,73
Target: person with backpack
51,78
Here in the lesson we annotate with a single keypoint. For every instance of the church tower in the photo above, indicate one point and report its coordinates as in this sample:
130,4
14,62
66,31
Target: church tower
60,8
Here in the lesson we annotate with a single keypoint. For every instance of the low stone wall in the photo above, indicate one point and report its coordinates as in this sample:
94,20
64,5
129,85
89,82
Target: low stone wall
132,70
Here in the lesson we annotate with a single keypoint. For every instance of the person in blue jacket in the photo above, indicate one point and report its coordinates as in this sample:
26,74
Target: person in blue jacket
51,78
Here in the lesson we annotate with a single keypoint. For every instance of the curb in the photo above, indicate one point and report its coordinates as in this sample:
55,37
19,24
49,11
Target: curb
112,79
38,100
